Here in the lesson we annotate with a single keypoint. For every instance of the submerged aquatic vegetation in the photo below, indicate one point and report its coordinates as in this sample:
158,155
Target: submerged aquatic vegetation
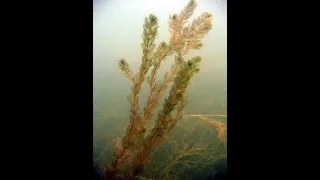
189,153
221,127
135,148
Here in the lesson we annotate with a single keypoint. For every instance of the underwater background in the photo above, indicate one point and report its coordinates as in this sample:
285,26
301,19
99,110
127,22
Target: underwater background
192,150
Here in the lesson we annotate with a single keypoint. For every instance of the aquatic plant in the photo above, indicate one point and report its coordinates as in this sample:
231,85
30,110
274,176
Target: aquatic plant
138,143
220,126
191,152
198,156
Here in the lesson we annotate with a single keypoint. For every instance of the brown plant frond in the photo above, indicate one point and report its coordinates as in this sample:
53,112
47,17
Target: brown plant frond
204,115
176,22
220,126
138,144
171,104
125,68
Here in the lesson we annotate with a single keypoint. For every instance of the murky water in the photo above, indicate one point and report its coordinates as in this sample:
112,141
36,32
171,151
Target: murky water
192,150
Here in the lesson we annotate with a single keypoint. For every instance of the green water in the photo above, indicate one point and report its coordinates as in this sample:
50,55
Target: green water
192,150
